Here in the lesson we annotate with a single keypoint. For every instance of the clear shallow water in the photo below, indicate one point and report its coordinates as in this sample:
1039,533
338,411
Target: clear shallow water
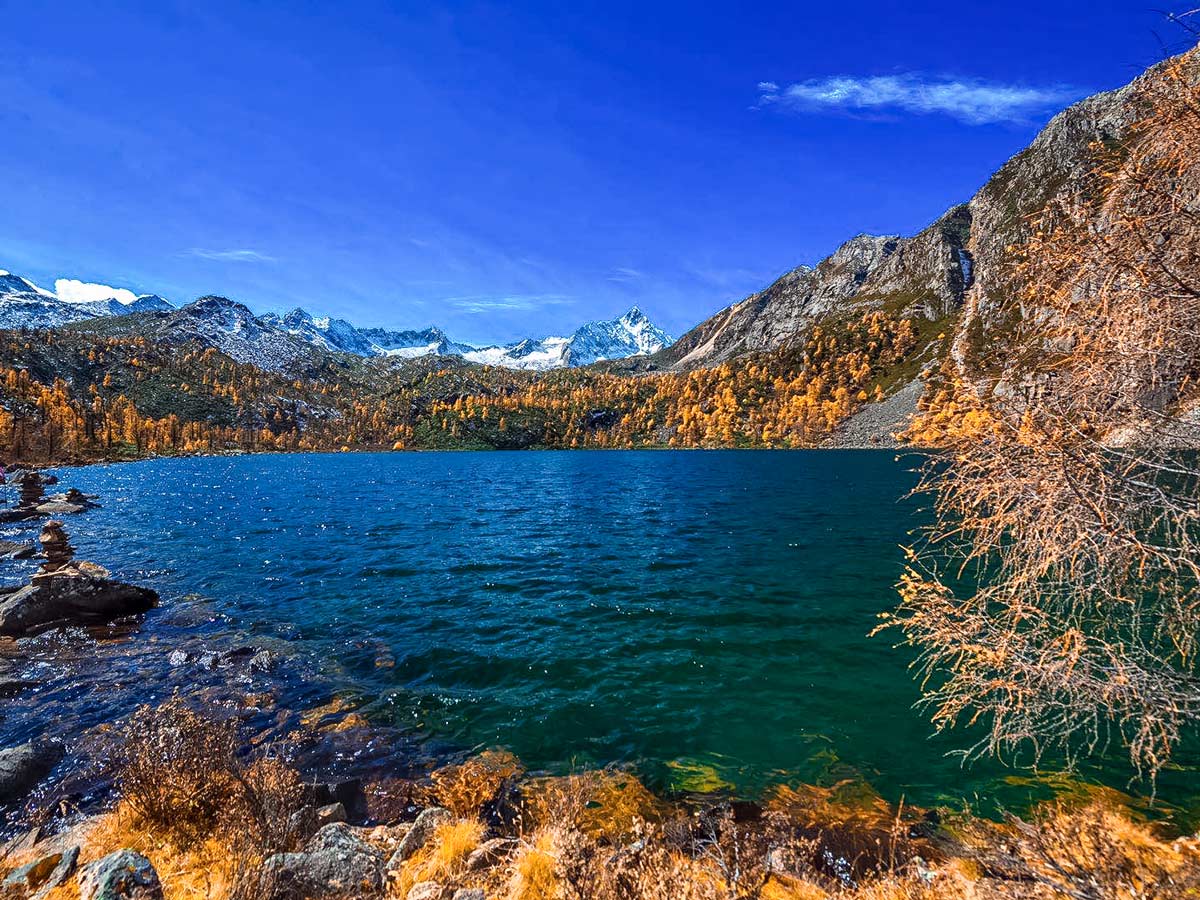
702,615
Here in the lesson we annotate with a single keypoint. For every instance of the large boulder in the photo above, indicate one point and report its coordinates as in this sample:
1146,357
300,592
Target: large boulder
335,863
75,599
124,875
422,830
22,767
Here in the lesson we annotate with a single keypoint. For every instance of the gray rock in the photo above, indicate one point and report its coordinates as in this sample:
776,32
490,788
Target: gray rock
488,854
22,767
124,875
334,812
17,550
38,878
262,661
55,600
469,894
425,890
60,508
427,822
336,862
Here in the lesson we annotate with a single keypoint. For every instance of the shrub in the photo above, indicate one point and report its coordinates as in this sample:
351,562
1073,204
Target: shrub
607,803
179,769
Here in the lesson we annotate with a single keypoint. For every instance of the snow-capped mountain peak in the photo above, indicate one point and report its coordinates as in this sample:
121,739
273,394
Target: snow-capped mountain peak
632,334
15,284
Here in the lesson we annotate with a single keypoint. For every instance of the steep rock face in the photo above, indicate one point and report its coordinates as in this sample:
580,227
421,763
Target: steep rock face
1056,163
922,275
337,335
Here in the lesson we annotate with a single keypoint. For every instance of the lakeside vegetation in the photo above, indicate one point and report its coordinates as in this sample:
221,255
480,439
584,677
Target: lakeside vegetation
217,823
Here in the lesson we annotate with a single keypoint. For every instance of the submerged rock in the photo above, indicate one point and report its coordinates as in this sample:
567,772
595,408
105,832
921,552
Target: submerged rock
11,687
17,550
22,767
124,875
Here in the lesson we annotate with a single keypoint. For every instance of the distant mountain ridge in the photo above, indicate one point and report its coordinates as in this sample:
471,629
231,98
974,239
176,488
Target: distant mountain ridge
276,341
632,334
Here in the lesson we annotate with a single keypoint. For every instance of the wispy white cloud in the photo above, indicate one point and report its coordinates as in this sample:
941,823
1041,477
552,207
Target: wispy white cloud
973,101
71,291
509,303
623,274
241,255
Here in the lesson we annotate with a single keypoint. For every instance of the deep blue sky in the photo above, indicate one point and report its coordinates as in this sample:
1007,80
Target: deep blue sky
514,168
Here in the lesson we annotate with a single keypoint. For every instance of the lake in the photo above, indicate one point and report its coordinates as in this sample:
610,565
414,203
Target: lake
701,615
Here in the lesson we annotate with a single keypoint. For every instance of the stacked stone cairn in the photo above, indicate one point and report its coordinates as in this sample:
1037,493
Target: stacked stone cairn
57,548
32,491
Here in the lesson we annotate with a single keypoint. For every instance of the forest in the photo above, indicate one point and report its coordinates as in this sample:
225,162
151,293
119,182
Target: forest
70,396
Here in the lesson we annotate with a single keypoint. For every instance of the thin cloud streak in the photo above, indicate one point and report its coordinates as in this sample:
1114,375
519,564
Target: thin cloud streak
972,101
517,303
229,255
623,274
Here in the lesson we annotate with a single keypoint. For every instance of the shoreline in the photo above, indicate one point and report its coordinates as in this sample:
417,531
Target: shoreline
823,447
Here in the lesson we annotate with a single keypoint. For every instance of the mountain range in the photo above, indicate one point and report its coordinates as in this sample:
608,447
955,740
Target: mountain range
274,341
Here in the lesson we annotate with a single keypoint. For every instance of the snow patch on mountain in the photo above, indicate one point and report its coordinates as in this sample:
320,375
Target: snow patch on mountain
70,290
24,304
234,330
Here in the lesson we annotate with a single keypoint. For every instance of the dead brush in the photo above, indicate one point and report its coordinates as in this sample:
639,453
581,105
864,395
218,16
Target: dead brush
1096,852
182,786
179,770
851,832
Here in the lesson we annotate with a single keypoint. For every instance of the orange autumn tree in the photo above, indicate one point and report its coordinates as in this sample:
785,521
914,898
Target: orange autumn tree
1056,599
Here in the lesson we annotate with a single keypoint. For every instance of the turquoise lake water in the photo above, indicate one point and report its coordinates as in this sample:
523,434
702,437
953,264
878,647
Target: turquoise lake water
700,615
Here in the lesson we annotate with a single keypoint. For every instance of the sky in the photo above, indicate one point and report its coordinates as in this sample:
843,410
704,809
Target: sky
515,168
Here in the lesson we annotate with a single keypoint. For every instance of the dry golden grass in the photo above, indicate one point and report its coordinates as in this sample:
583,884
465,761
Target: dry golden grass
443,858
535,870
606,803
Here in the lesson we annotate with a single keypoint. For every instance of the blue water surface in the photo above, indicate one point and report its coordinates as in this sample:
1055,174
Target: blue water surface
701,615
